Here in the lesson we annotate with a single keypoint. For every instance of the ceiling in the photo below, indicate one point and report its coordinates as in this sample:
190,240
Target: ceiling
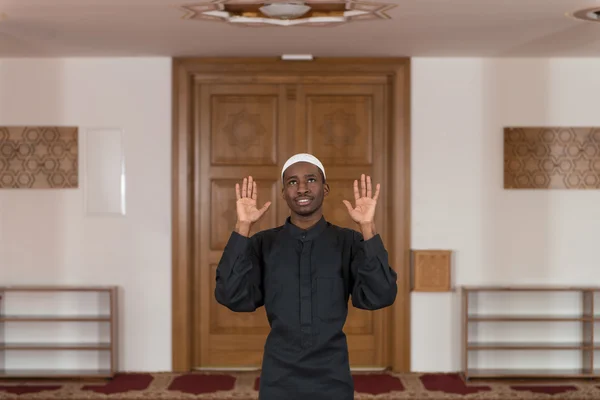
426,28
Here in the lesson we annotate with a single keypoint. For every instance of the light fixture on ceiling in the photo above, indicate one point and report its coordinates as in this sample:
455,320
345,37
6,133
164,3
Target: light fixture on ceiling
313,13
587,14
297,57
285,10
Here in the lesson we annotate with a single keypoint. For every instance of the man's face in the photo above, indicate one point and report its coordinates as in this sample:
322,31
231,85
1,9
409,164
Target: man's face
303,188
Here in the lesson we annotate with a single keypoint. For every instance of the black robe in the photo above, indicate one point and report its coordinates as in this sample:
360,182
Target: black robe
304,279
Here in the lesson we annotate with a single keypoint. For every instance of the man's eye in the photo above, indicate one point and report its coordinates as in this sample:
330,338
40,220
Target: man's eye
311,179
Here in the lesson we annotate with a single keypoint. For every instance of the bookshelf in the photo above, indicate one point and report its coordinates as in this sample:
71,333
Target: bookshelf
58,331
530,332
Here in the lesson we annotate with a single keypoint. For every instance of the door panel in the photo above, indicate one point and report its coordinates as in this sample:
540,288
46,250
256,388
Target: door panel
339,127
344,126
243,125
251,129
238,133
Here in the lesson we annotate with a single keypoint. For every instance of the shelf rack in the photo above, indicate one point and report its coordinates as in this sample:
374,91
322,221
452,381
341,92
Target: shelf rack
34,319
585,317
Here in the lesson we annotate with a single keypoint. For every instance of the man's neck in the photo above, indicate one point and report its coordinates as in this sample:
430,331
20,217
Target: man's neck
305,221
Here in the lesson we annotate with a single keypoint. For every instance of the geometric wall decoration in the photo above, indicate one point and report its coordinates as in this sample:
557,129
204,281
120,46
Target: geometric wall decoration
314,13
39,157
431,270
552,158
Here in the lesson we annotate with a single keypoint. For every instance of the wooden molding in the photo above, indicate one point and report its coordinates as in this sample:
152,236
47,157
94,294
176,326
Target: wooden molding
395,72
432,271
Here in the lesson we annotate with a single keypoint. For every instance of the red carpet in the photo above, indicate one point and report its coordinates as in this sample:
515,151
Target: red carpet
243,386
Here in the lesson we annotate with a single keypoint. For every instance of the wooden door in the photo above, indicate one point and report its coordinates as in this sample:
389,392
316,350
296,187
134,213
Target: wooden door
251,129
233,117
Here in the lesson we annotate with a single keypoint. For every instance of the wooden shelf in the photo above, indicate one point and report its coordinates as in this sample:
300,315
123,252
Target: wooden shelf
525,346
55,346
527,318
56,288
529,373
525,288
55,318
581,318
40,298
55,373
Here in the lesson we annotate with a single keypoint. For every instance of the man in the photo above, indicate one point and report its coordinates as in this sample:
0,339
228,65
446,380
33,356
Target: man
303,273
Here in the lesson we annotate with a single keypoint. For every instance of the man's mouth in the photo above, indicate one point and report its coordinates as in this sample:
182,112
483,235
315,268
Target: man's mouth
303,201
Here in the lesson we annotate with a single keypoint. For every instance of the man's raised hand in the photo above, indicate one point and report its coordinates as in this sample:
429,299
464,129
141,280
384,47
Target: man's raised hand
364,210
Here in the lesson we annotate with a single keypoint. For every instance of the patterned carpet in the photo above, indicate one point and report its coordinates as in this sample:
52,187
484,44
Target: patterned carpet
243,386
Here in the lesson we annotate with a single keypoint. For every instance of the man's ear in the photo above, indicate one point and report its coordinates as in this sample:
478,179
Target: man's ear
325,189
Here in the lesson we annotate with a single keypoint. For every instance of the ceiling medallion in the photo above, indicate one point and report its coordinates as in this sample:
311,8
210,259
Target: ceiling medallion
588,14
287,12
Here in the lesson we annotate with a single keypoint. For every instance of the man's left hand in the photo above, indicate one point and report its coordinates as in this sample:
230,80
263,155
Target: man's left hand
364,211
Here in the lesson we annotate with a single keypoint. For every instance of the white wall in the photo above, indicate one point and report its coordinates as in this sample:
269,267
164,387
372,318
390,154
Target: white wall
460,107
46,236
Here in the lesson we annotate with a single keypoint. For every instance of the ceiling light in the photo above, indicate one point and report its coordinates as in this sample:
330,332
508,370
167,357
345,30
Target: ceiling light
314,13
297,57
587,14
289,10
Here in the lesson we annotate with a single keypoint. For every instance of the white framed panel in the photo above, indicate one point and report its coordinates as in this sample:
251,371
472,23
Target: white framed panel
104,172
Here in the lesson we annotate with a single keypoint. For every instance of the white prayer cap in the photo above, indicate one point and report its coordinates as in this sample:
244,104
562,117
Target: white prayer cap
303,157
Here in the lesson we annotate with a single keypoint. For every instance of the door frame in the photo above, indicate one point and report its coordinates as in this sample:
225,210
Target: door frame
185,71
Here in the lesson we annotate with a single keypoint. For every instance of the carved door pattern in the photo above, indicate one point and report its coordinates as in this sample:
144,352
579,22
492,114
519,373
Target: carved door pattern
251,129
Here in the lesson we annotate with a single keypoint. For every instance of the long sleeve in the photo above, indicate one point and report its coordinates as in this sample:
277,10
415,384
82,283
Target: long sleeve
239,274
373,280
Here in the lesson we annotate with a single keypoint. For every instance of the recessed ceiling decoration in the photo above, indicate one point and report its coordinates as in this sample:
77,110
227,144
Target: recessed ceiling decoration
287,12
588,14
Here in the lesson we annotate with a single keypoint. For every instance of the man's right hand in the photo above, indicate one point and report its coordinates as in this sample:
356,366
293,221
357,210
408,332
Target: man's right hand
247,212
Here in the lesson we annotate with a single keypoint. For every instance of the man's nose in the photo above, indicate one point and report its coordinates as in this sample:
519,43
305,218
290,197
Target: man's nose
302,188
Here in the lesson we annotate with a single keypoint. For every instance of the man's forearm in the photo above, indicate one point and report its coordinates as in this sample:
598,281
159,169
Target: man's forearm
368,230
243,228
